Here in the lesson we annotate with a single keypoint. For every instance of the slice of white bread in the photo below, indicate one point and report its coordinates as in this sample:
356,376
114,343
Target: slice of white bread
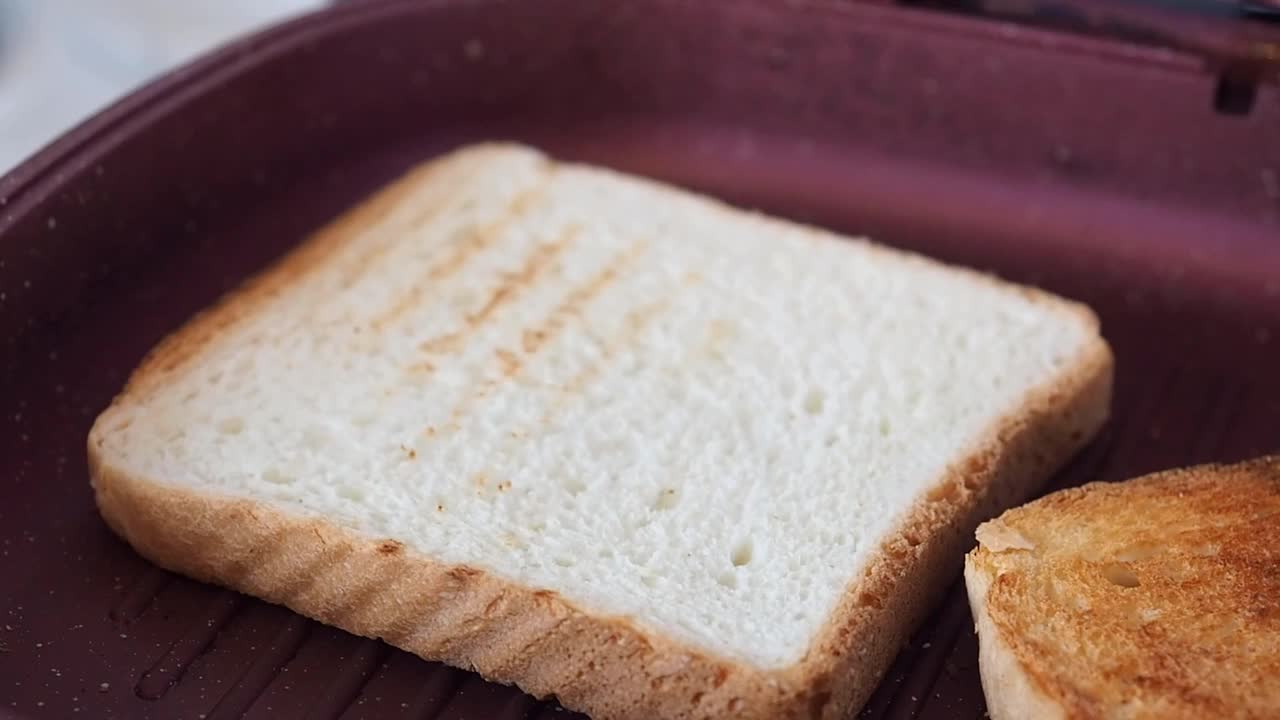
1156,598
599,437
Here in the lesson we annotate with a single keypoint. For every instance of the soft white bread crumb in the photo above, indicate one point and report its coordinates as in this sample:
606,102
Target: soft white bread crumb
706,424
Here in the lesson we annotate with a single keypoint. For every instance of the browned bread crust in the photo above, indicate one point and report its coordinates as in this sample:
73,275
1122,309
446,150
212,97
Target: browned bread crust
1154,598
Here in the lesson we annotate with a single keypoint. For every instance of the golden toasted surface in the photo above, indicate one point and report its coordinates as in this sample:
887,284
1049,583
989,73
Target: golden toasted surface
1153,598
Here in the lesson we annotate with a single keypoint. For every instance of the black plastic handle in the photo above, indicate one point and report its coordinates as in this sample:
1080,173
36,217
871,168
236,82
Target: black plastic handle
1240,39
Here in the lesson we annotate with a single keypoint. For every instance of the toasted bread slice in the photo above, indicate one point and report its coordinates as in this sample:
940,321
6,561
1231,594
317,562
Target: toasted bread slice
600,438
1154,598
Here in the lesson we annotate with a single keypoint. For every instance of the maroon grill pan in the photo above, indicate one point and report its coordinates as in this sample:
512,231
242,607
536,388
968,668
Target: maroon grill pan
1096,168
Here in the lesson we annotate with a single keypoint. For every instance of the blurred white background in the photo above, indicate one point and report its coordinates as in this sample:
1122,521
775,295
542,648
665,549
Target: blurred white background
62,60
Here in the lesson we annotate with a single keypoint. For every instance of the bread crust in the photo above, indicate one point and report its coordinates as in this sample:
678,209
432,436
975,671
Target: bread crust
924,555
1009,690
1155,571
606,666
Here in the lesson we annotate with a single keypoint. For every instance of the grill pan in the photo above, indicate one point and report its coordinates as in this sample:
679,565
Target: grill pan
1104,169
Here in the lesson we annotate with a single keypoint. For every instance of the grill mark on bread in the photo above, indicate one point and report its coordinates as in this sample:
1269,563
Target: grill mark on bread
510,285
462,573
374,222
385,594
440,344
172,354
476,241
355,602
175,351
526,276
534,339
421,369
303,577
452,621
248,554
576,301
486,639
410,621
510,361
636,322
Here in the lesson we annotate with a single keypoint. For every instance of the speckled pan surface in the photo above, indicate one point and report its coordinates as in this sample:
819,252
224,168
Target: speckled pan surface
1096,170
